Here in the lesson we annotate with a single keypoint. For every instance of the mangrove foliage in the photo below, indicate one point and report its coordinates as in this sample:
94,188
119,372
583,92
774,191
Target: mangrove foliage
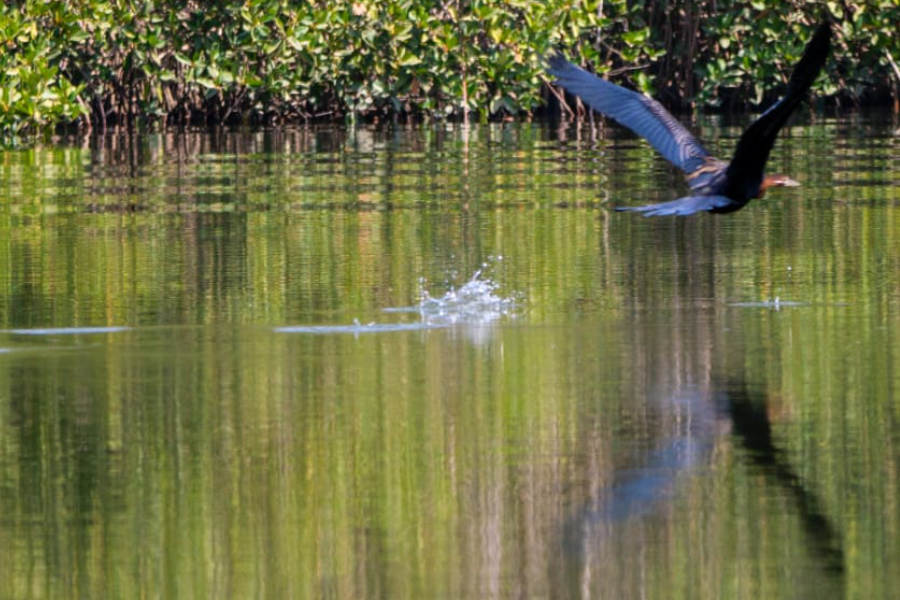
99,63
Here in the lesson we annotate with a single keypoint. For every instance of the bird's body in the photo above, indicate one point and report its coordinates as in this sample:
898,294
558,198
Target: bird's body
717,186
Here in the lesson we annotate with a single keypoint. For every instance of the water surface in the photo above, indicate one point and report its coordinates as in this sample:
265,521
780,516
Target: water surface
430,362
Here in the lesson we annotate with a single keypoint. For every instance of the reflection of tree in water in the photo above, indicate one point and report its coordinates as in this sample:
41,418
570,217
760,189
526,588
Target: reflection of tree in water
680,361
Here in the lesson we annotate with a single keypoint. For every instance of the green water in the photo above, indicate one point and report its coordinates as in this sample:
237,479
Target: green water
629,407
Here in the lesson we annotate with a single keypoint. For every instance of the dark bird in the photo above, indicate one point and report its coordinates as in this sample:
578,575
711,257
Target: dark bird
716,185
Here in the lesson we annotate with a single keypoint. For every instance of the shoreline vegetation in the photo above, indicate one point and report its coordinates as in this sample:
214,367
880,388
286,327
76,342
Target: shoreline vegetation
95,64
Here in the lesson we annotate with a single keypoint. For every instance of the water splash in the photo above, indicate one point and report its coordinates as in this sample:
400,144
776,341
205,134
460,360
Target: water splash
474,304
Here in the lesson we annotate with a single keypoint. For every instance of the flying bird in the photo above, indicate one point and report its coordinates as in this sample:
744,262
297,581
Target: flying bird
716,185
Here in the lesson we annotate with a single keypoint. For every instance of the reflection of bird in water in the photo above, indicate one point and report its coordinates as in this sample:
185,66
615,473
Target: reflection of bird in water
741,411
750,424
716,185
640,492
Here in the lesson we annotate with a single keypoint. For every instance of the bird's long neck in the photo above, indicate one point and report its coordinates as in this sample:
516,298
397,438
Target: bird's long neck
767,182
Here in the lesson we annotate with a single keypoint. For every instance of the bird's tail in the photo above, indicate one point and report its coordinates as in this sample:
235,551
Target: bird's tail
684,206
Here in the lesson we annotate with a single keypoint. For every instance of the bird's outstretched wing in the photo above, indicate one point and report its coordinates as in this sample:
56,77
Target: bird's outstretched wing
682,206
756,142
642,114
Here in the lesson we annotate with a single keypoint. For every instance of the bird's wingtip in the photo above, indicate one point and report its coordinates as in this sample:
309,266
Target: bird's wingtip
556,62
820,42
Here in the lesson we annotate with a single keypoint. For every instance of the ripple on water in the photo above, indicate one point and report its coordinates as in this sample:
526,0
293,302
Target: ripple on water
67,330
774,304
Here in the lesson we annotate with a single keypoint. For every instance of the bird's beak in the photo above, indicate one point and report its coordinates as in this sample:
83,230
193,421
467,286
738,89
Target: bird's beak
788,182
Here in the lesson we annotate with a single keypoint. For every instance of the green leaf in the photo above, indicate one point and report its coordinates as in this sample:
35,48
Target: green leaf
634,38
406,58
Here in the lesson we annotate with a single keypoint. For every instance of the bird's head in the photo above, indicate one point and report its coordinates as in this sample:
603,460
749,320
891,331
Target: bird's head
776,180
